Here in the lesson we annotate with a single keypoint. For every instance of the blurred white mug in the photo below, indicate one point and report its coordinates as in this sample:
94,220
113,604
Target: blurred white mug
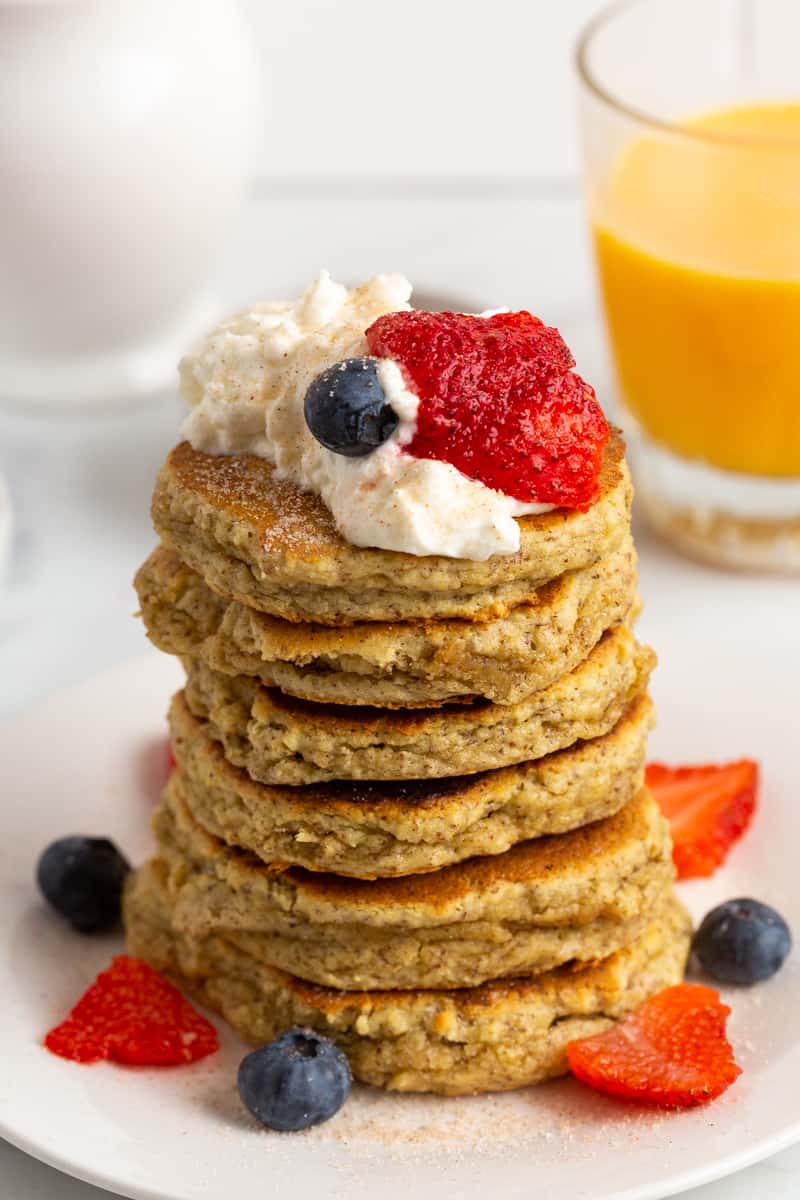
126,135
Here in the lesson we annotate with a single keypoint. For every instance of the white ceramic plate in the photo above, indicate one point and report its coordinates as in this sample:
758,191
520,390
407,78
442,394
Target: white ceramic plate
90,760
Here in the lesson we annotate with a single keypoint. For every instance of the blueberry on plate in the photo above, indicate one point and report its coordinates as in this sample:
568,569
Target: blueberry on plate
298,1080
742,941
82,878
346,408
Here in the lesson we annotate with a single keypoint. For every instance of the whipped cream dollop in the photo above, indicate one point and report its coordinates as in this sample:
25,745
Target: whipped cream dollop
246,384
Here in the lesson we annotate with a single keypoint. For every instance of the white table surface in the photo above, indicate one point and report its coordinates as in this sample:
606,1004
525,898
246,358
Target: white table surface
80,484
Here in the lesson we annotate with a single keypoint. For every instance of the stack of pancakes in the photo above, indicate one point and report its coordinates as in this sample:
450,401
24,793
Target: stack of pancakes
408,806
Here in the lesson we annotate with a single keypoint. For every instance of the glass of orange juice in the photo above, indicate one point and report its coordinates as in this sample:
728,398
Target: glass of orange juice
690,117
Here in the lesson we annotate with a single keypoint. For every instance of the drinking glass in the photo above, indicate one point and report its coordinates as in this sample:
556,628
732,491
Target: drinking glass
690,125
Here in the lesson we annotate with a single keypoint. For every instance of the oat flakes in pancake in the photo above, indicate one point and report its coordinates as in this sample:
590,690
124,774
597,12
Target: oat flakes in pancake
391,664
274,548
278,739
576,897
369,830
499,1036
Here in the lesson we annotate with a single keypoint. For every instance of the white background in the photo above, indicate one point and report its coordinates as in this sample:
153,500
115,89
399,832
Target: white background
425,89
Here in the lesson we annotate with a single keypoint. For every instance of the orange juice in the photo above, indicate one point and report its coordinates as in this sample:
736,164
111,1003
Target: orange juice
697,240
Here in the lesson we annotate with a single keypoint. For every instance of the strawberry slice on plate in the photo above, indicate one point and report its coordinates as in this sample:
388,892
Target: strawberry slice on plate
133,1015
708,808
671,1052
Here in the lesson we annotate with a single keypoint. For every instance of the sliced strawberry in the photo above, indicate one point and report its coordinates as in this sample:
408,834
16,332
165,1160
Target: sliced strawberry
499,401
671,1052
708,808
132,1015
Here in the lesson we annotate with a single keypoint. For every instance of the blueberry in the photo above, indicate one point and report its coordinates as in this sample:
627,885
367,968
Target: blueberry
346,408
298,1080
742,941
82,878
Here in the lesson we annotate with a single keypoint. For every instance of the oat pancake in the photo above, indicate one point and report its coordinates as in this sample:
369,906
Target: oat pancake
391,664
499,1036
278,739
576,897
263,542
368,830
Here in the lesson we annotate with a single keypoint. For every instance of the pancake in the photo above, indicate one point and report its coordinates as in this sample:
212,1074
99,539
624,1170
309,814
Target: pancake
499,1036
369,830
391,664
577,897
278,739
263,542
